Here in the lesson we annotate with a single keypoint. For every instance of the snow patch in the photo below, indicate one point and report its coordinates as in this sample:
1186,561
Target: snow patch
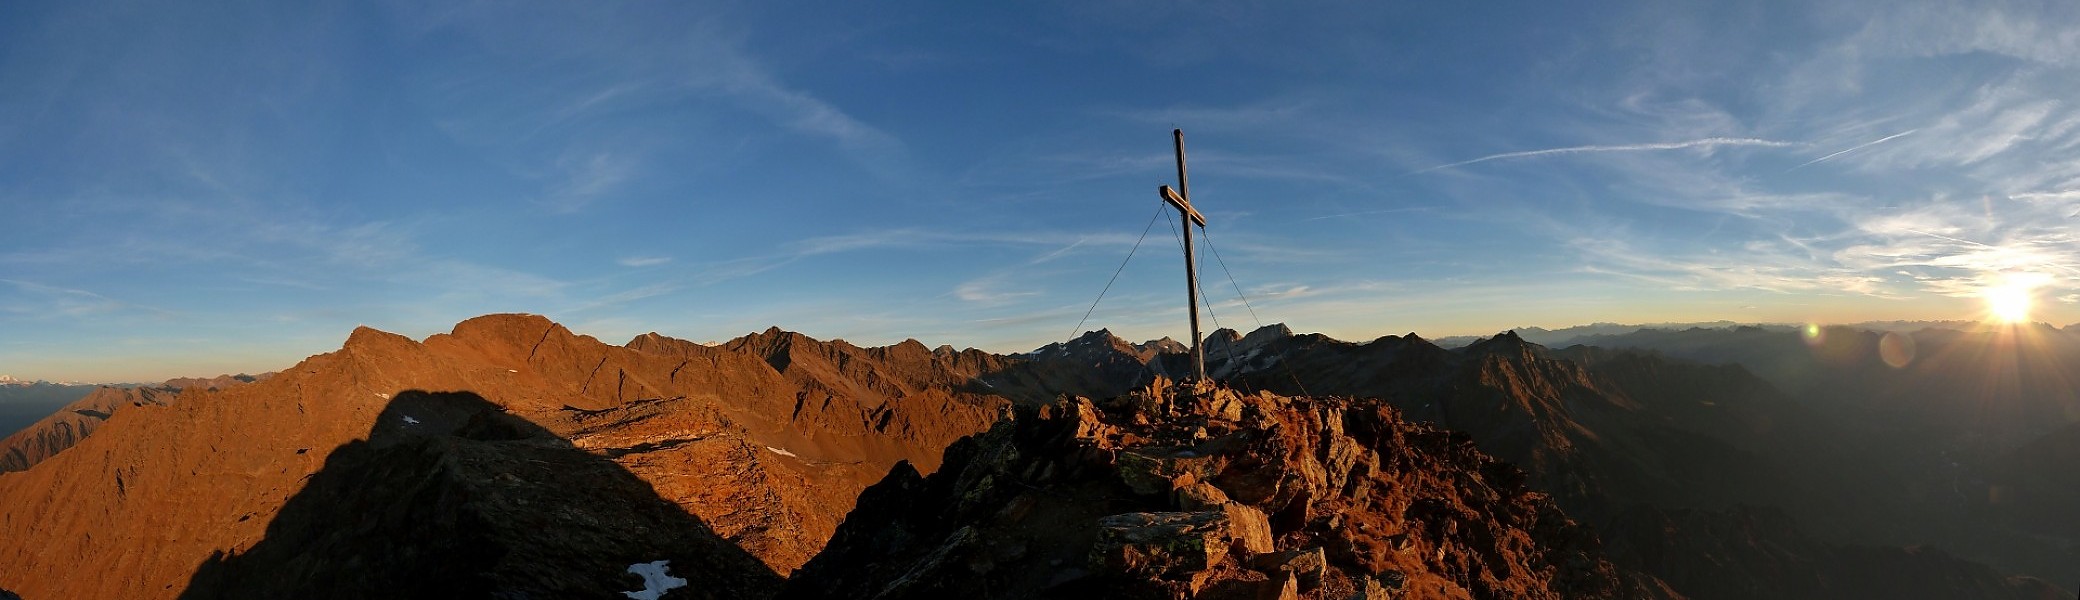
655,580
782,452
408,420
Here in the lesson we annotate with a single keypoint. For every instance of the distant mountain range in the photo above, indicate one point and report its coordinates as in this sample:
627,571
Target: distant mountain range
512,458
1580,334
24,402
35,436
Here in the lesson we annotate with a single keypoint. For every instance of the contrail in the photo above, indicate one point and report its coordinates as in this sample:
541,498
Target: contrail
1367,212
1859,147
1945,237
1706,142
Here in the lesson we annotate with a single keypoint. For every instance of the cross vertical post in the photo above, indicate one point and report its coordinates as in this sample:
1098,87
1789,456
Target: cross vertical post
1182,199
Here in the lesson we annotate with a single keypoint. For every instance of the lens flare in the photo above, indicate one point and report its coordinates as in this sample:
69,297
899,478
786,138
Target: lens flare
1896,349
1813,334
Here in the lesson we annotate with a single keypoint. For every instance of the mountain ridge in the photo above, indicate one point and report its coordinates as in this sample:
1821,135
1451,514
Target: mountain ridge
768,439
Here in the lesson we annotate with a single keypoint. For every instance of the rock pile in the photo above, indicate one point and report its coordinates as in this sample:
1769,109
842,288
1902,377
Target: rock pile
1203,492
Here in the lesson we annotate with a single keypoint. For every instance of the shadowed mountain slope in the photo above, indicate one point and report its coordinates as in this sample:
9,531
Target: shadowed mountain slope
449,497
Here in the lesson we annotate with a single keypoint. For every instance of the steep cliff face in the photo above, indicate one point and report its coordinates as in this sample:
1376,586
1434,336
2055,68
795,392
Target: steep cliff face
720,434
1209,493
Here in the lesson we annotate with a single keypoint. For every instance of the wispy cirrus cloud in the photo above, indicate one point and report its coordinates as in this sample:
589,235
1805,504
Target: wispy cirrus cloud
903,238
41,301
643,261
585,180
991,290
1712,142
2031,31
575,128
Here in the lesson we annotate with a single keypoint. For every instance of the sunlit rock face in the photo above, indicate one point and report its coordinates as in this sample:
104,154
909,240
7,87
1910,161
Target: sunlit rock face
768,458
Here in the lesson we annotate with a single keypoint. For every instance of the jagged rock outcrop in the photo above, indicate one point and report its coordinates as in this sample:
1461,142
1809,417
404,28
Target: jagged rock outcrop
1231,350
1212,494
718,433
212,383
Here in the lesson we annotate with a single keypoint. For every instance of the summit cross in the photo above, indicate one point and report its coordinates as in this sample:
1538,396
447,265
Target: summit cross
1182,199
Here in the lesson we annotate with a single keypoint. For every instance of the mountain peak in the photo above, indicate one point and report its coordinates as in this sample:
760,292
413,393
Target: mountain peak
370,337
1507,342
506,328
1267,333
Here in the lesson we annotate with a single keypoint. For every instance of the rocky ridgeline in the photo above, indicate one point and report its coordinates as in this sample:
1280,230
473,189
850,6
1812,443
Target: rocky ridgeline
764,451
1203,492
68,425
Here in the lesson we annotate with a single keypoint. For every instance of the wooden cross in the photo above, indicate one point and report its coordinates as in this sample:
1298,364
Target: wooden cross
1182,199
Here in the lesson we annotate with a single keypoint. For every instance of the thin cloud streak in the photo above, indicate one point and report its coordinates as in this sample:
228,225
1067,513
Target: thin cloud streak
1697,143
1945,237
1853,149
1367,212
643,261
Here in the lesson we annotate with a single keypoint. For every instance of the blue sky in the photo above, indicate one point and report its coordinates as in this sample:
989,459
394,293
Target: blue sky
193,190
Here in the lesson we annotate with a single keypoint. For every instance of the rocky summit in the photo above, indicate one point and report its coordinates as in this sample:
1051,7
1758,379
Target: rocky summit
1203,492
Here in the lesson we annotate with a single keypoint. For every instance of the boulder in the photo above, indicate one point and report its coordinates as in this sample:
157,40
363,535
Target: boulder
1307,566
1249,531
1201,496
1157,472
1165,545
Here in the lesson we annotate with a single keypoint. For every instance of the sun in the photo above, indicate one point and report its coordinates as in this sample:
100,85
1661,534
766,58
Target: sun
2009,303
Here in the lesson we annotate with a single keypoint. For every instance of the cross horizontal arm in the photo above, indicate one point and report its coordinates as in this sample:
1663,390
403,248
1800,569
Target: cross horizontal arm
1183,205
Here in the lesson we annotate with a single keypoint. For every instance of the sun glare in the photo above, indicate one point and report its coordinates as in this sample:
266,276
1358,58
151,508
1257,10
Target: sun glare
2008,303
